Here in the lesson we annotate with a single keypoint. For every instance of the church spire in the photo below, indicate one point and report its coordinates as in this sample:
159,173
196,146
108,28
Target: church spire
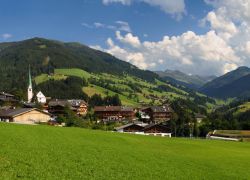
30,80
30,90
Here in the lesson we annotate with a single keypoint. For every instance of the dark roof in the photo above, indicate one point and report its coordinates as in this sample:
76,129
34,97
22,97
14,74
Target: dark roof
200,116
6,94
128,125
153,125
113,108
124,126
19,111
29,105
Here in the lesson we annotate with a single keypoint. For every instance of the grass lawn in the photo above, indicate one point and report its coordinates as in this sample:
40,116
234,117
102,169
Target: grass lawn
73,72
45,77
43,152
243,108
93,89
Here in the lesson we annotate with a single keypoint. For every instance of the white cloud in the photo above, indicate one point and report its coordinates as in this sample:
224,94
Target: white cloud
124,2
98,25
87,25
129,39
223,48
119,25
173,7
186,52
6,36
123,26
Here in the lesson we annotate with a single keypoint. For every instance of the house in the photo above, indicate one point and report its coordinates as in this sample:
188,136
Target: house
157,130
229,135
57,106
79,106
145,129
25,116
131,128
41,98
157,114
114,113
7,98
199,117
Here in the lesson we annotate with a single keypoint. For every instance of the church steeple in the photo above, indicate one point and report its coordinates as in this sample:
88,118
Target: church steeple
30,81
30,91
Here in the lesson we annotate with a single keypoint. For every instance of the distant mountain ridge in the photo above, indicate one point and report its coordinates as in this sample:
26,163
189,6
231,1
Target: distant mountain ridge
178,77
233,84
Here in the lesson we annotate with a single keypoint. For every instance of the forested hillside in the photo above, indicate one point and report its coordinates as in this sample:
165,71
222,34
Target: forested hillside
46,55
72,70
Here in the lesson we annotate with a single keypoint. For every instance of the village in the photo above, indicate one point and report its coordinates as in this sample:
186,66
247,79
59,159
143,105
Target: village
148,120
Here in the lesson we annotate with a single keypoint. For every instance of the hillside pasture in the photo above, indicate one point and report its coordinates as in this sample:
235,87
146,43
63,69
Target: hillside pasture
131,90
43,152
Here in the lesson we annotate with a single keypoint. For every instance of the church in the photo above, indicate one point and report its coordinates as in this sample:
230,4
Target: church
40,97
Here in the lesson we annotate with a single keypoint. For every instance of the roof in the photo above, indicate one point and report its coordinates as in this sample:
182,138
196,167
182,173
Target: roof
40,94
63,103
6,94
127,125
113,108
30,80
59,102
165,108
124,126
152,125
161,109
199,115
76,102
17,112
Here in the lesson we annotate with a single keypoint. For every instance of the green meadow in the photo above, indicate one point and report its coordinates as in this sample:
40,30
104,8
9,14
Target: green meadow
145,94
44,152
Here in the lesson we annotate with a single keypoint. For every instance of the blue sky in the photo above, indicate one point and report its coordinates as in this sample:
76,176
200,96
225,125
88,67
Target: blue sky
63,19
114,25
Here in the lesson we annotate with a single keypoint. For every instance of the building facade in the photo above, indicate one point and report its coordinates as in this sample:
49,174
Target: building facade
25,116
41,98
57,106
158,114
114,113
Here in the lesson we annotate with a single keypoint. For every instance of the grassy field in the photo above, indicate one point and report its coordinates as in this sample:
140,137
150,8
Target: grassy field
43,152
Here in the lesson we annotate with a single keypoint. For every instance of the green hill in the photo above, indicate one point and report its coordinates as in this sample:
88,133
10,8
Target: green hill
131,90
178,77
44,56
43,152
233,84
53,63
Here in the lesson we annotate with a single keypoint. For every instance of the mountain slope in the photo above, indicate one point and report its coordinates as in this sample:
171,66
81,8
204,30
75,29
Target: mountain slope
178,77
46,55
232,84
237,88
132,91
72,70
